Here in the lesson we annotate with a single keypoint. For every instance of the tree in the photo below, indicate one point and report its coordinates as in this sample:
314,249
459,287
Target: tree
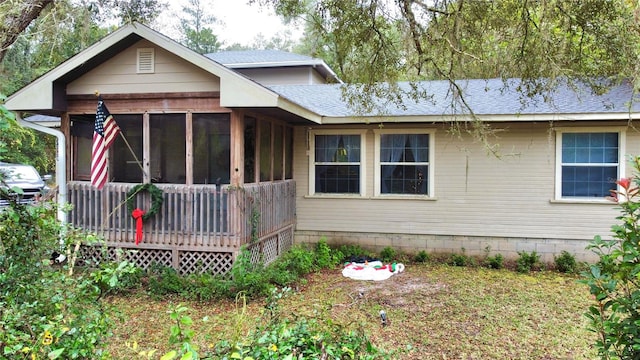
195,31
16,16
540,42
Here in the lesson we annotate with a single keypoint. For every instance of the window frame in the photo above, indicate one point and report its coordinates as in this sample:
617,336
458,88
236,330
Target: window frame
312,161
377,169
621,131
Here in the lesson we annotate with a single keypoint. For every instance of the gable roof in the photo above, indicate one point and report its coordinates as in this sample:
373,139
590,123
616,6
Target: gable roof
269,58
46,94
493,99
487,98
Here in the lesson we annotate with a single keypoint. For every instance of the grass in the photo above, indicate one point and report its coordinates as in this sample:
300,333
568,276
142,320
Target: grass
435,312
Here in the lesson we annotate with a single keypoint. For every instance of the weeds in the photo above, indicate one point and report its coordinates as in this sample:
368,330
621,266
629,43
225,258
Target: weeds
566,262
527,262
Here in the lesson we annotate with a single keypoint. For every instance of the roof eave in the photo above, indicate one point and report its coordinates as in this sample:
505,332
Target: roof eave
39,95
343,120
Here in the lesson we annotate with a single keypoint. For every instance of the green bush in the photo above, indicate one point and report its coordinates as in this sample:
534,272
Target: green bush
494,262
421,257
527,262
352,251
613,280
165,280
461,259
566,262
45,312
327,258
388,254
311,338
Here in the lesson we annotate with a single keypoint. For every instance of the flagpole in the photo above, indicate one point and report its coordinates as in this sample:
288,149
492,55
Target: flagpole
144,174
134,155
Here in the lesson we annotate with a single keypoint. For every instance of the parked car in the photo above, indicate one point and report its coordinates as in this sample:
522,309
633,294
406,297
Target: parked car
23,182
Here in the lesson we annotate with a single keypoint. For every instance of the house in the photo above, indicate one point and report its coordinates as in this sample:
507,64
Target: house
265,153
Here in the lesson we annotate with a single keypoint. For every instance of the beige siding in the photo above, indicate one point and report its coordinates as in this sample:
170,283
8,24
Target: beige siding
283,76
118,75
476,194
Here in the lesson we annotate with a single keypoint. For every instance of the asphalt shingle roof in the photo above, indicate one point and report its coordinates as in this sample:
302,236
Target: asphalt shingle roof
485,97
230,58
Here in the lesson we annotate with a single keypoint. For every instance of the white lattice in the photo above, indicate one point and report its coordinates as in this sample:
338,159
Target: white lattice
270,249
205,262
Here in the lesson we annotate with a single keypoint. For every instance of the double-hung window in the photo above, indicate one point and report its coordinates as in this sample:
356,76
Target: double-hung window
336,163
588,163
404,161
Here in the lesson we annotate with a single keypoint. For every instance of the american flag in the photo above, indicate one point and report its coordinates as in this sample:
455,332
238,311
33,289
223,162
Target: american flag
104,134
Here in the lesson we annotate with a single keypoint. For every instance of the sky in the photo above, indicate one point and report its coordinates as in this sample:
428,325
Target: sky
238,22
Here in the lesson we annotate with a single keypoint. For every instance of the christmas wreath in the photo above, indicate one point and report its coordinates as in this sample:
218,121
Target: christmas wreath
156,199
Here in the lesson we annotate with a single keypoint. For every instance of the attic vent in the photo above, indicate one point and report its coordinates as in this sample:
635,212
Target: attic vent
146,60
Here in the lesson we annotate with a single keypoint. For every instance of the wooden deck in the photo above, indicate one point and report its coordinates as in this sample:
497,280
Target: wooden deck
200,228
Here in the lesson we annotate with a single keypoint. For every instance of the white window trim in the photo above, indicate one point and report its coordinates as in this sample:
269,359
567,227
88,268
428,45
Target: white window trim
377,171
558,175
312,161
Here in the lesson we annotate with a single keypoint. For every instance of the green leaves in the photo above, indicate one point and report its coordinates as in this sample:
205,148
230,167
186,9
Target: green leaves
613,281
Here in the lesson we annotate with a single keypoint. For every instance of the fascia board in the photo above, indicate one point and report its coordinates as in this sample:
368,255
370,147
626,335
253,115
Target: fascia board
38,94
236,90
303,112
329,120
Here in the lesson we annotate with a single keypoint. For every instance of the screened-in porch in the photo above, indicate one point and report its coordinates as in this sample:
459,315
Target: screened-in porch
225,177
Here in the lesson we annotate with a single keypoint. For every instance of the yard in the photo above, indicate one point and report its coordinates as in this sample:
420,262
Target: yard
435,312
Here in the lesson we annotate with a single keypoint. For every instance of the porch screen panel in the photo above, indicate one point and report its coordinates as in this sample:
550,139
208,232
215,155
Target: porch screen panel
278,152
249,150
168,148
265,151
288,153
82,135
211,148
123,164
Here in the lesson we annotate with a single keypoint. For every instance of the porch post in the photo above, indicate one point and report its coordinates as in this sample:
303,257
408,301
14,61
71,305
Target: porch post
237,218
237,147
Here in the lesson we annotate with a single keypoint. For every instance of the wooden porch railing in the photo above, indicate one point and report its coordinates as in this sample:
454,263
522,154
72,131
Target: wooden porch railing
193,219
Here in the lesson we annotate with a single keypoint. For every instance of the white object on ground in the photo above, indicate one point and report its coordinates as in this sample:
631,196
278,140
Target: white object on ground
371,271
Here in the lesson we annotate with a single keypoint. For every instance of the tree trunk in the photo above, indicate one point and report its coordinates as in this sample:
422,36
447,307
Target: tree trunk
15,16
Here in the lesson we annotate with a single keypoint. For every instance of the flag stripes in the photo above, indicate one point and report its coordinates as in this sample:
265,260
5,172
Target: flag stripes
104,134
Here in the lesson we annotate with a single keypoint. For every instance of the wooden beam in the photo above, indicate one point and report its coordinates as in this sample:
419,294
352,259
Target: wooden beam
237,148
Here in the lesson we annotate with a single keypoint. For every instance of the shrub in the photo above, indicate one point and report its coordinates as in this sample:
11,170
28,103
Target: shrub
494,262
353,251
165,280
45,312
528,261
461,259
327,258
388,254
613,280
566,262
421,257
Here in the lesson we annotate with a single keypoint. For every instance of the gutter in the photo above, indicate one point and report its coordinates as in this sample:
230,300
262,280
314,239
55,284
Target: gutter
61,160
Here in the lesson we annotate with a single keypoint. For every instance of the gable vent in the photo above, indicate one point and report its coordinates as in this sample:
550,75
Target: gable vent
146,60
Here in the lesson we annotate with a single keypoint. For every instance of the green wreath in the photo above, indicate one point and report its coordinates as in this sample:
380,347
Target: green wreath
156,199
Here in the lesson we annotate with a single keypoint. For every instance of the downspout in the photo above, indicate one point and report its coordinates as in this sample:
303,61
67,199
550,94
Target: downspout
61,160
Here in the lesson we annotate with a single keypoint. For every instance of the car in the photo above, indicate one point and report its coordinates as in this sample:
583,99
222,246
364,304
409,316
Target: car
23,182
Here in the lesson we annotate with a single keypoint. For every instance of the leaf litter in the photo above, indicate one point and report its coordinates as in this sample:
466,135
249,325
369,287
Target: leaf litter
434,312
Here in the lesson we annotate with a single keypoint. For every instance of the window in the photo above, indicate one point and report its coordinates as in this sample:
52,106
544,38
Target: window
589,163
336,163
403,162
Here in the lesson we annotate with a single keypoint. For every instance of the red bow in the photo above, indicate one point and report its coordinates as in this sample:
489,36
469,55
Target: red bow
137,214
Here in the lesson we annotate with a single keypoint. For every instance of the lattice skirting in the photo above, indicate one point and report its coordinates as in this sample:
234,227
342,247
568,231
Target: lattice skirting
188,262
269,248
